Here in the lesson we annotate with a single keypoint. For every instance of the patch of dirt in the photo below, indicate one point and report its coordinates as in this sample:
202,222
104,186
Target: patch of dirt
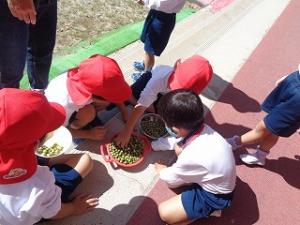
80,20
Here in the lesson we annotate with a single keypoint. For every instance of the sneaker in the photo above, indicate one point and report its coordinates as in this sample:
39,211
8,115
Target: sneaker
258,158
232,142
139,66
136,76
164,143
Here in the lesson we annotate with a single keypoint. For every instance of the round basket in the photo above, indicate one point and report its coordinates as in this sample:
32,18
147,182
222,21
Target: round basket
154,123
60,136
108,157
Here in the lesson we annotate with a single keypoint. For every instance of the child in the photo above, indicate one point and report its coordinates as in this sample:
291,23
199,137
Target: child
93,85
194,74
205,162
29,192
282,120
157,30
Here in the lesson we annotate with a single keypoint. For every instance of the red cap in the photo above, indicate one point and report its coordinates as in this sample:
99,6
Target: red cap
194,74
25,117
100,76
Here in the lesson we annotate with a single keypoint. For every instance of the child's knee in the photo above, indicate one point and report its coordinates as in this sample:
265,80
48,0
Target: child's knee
163,213
88,161
84,116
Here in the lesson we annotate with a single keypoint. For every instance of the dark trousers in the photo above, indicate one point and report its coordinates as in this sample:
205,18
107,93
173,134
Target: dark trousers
21,43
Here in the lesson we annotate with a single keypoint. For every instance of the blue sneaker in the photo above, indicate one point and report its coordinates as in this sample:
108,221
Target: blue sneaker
139,66
136,76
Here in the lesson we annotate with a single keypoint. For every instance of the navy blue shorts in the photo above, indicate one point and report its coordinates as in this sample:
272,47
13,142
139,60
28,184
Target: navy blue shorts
66,178
199,203
157,30
283,107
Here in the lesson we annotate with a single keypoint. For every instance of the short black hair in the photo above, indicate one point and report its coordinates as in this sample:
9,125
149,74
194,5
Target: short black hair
181,108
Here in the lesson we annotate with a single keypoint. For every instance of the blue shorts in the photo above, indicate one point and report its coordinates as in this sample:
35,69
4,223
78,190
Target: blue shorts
157,30
66,178
199,203
283,107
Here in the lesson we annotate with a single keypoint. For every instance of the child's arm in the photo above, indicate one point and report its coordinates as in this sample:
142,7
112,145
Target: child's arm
95,133
124,111
81,204
123,138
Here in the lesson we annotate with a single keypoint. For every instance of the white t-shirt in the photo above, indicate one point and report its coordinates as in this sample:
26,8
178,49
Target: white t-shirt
29,201
208,161
57,92
157,84
167,6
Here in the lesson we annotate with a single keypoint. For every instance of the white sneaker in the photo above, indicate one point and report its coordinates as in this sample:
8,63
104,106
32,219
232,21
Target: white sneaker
164,143
254,159
232,142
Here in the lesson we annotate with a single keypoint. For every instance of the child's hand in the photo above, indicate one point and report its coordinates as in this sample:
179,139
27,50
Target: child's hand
159,166
123,138
97,133
177,149
84,203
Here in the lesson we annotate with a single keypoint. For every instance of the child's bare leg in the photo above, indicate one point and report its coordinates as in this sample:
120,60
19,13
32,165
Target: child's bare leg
82,163
172,211
268,143
84,116
149,61
255,136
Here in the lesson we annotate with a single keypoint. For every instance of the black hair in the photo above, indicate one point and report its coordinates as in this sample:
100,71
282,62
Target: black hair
181,108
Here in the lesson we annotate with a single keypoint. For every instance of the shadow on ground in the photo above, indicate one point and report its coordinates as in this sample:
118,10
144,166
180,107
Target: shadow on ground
244,210
240,101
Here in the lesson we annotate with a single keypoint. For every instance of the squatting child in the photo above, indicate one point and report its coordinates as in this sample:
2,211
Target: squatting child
205,163
30,192
194,73
82,91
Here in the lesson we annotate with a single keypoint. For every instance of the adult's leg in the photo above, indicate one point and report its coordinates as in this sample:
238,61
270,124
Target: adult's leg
13,42
41,44
172,211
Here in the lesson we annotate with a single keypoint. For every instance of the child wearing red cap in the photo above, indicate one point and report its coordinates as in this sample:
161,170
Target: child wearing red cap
30,192
86,89
194,73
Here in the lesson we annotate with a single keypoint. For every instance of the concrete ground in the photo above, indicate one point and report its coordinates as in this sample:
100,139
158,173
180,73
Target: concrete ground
250,44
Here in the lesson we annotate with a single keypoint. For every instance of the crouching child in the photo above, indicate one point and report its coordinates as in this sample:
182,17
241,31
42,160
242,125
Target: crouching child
205,162
29,192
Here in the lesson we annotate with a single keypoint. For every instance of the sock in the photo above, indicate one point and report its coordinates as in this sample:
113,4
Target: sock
261,154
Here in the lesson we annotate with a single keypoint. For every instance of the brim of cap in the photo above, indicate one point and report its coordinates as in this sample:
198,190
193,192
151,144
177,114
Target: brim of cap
121,93
17,165
58,116
77,91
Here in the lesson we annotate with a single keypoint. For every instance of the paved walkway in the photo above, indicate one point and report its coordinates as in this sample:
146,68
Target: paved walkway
250,44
